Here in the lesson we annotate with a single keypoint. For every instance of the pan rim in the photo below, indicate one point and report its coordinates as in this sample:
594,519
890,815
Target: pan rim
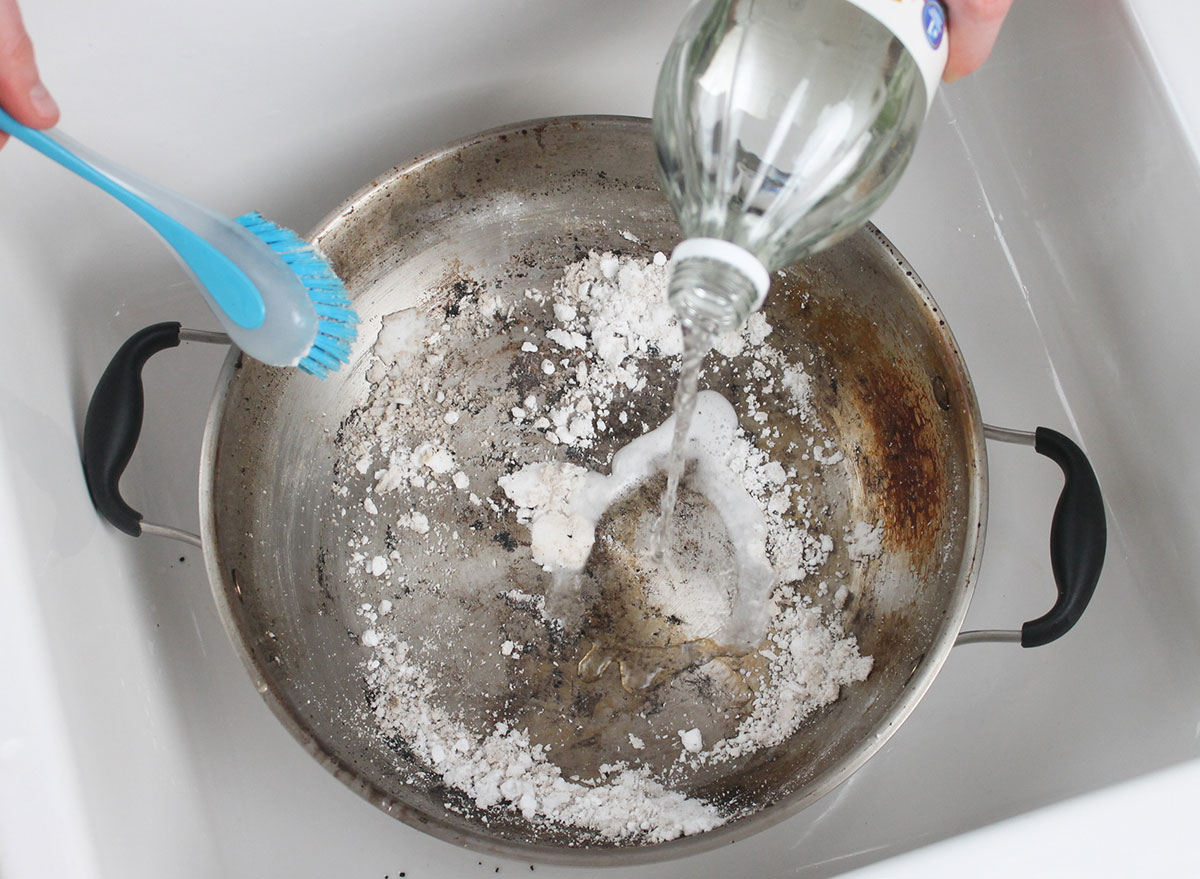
223,586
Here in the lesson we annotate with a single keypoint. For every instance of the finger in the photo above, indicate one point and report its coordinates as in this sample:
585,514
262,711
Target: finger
974,26
21,91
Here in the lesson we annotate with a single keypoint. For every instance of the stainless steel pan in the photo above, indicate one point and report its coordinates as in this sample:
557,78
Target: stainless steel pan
513,206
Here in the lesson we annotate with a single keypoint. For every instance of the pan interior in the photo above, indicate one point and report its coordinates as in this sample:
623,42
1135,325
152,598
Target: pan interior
295,521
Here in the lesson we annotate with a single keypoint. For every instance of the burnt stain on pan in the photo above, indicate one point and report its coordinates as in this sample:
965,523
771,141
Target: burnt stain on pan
902,456
893,421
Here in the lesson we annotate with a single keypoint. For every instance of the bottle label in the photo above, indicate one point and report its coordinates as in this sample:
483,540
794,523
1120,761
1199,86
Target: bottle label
921,26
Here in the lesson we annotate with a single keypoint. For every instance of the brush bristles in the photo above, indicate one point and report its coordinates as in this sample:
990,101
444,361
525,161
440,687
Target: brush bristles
336,319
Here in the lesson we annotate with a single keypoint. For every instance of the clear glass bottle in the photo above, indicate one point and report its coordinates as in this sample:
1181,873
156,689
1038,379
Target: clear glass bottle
780,125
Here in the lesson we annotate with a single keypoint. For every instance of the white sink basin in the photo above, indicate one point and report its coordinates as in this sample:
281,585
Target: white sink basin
1051,209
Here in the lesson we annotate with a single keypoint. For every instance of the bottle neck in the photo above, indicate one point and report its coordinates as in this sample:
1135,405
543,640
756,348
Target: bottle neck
711,296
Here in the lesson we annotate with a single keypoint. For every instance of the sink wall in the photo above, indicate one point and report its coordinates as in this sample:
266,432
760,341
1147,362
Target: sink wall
1050,209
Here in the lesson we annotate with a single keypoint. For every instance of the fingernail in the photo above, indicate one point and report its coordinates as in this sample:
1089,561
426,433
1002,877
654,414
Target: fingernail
41,100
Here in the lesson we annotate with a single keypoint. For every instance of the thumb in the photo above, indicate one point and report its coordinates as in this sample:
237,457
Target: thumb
974,26
21,90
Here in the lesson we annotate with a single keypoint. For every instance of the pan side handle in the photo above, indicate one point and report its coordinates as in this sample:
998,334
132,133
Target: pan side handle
1078,540
114,424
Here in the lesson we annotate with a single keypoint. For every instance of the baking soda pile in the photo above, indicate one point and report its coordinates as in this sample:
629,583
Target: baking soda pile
505,768
438,433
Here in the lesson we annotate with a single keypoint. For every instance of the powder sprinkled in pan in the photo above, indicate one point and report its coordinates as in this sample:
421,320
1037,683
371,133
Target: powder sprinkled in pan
427,431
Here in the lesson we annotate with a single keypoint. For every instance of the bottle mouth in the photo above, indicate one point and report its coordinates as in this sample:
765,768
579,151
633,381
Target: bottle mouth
715,285
734,255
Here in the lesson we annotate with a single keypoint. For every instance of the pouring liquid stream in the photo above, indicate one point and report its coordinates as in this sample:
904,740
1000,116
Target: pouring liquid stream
753,575
697,342
679,542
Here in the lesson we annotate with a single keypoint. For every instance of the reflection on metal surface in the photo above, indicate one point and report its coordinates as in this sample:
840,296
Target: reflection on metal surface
172,532
988,636
1009,435
208,336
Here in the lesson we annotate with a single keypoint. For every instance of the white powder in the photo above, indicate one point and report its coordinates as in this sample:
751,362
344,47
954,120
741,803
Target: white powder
691,740
559,537
810,660
535,604
796,383
440,461
612,331
505,768
757,329
826,453
864,541
564,502
418,522
612,311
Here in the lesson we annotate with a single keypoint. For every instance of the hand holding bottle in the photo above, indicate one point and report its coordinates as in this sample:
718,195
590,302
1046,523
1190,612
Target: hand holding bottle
974,25
21,91
781,125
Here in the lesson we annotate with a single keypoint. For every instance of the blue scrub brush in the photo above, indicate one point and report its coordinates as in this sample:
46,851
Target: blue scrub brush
278,299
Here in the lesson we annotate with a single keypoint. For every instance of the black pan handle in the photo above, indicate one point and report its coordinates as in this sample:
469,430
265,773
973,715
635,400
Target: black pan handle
114,423
1078,539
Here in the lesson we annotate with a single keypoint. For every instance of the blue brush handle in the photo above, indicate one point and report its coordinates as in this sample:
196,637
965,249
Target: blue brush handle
228,286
